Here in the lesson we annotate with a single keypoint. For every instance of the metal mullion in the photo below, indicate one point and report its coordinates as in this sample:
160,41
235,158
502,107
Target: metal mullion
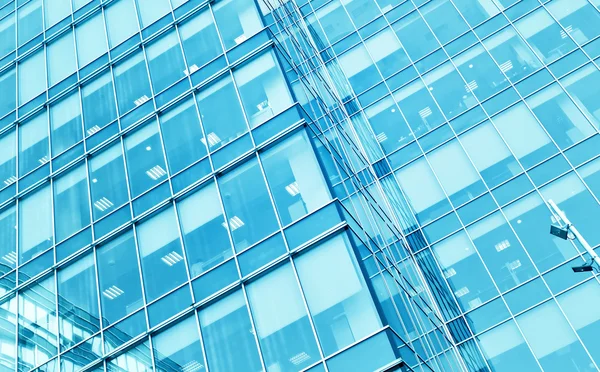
261,356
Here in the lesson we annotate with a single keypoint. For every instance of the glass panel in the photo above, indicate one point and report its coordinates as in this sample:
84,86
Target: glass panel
182,134
419,109
466,274
65,122
165,61
578,17
483,76
161,252
134,360
359,69
72,199
8,240
282,324
583,85
151,10
237,20
55,11
263,89
506,260
108,182
450,91
444,20
91,39
61,58
556,347
119,278
524,135
218,103
178,347
388,125
120,21
8,337
206,241
78,309
415,35
145,159
489,153
295,178
565,123
200,40
131,83
7,35
32,77
37,324
247,204
33,143
335,22
35,224
8,159
8,85
29,23
228,336
476,11
387,52
337,295
98,100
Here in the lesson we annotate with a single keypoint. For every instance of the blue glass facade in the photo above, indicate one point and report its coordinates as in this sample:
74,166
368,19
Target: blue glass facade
239,185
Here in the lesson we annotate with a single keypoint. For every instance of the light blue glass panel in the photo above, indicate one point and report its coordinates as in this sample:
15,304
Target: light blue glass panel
419,109
131,83
119,278
91,39
444,20
415,35
137,359
77,4
337,295
476,11
72,201
8,239
151,10
55,11
591,175
583,85
466,274
29,22
200,40
387,52
78,308
237,20
295,178
145,158
361,11
578,17
33,143
32,77
565,123
359,69
178,347
61,58
35,224
388,125
483,77
37,324
263,89
228,340
506,350
98,101
182,134
580,305
165,61
161,252
513,56
281,321
206,241
8,158
107,181
556,347
65,123
335,22
120,21
8,86
247,205
218,103
8,337
506,260
449,90
7,35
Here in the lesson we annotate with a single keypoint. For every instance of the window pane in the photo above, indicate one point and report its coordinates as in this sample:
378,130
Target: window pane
118,272
444,20
29,22
230,346
108,182
137,359
415,35
55,11
388,125
419,108
584,86
263,89
151,10
237,20
120,21
8,316
206,241
178,347
33,143
200,40
98,103
8,159
577,16
8,87
335,22
35,224
337,295
295,178
131,83
65,121
8,239
219,104
449,90
182,134
77,301
91,39
281,321
160,252
7,35
71,197
165,61
247,204
359,69
387,52
483,77
145,159
61,58
32,77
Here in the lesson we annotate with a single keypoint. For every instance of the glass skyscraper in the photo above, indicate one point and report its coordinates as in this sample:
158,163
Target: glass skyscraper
271,185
